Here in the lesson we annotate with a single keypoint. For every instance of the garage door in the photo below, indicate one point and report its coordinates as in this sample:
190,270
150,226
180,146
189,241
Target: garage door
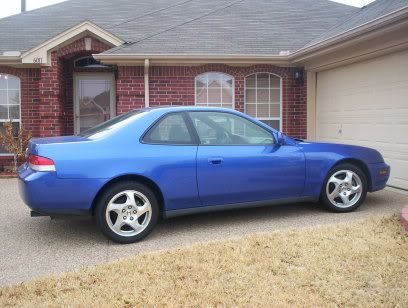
367,104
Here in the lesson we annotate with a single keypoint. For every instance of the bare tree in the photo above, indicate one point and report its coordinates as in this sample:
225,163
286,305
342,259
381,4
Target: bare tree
15,142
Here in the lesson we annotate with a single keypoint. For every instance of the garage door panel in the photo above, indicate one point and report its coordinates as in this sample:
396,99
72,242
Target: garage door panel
399,174
367,104
328,130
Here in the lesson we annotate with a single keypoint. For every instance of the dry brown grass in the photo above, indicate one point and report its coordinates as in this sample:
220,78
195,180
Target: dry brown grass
360,264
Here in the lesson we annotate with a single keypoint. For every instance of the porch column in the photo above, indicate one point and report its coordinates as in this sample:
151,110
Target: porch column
51,111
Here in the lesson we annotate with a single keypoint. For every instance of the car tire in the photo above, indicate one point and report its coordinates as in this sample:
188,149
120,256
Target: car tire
344,189
127,212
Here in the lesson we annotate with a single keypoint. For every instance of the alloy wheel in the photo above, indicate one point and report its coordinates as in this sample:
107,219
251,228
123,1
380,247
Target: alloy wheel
344,188
128,213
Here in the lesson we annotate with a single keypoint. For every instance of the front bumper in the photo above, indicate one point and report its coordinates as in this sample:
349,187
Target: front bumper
380,173
47,194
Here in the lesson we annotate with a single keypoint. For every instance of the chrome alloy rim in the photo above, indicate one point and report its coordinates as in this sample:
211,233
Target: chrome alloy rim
344,188
128,213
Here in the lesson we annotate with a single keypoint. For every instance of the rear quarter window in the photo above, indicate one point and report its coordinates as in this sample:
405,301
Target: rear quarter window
171,129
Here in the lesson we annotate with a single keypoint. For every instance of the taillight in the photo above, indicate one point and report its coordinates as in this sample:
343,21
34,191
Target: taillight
39,163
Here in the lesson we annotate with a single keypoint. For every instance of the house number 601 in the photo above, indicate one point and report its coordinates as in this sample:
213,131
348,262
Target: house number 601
37,60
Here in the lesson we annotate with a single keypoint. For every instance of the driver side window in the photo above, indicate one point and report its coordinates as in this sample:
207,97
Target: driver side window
221,128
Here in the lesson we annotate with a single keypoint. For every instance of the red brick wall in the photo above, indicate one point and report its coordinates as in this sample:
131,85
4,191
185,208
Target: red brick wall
129,88
174,85
51,94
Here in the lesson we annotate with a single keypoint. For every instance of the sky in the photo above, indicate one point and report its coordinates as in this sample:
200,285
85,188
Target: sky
11,7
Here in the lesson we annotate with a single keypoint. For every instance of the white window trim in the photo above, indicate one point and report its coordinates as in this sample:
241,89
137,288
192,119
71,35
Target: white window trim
256,94
215,72
8,110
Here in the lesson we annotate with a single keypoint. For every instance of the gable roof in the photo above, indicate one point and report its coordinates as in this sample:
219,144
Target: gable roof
182,26
366,14
195,27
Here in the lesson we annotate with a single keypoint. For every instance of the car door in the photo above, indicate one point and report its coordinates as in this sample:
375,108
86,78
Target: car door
239,161
169,158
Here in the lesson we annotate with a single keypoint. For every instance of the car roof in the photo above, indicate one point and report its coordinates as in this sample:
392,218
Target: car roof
188,108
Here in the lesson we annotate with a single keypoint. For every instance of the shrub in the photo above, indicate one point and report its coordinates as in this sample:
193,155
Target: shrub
15,142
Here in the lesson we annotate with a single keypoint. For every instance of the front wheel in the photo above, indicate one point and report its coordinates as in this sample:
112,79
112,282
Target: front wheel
127,212
345,188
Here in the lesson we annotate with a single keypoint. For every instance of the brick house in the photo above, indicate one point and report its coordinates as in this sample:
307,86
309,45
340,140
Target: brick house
70,66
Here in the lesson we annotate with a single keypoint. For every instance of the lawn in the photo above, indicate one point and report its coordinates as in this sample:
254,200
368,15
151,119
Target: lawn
363,263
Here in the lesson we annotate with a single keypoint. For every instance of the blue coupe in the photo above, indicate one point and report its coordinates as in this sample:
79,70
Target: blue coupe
163,162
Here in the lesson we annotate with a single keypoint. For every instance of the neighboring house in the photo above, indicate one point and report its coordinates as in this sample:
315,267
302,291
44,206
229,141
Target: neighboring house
314,69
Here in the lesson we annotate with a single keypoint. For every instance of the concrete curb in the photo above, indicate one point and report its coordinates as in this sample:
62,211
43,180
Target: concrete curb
404,217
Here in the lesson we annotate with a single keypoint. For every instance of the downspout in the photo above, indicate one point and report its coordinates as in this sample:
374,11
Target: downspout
146,82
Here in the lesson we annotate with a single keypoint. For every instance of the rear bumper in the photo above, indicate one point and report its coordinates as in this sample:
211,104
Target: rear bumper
380,173
46,194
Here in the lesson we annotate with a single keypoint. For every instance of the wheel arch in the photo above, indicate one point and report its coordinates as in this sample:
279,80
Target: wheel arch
131,177
358,163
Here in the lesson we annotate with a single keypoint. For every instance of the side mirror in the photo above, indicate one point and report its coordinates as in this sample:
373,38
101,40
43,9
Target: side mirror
280,138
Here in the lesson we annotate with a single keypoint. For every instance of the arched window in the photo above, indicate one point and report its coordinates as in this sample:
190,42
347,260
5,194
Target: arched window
214,90
263,98
9,102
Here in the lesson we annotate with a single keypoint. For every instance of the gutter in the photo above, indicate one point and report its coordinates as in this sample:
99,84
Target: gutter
146,82
10,57
188,58
10,60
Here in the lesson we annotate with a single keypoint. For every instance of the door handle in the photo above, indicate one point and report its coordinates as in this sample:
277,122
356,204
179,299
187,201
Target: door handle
215,160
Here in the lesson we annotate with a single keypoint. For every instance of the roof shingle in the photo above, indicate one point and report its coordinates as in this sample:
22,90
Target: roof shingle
241,27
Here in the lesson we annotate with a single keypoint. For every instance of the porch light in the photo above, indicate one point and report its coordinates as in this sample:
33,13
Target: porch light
298,76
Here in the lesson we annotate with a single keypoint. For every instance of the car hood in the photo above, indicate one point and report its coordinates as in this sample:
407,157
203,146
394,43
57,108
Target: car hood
365,154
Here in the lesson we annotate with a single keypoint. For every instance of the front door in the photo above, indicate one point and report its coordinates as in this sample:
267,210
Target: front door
238,161
94,101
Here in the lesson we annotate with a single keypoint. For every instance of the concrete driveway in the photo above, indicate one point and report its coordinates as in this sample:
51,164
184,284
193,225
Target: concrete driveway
33,247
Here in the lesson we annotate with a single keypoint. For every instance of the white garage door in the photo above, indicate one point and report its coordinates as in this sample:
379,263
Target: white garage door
367,104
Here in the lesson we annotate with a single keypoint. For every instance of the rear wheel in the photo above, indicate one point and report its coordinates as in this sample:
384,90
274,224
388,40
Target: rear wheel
127,212
345,188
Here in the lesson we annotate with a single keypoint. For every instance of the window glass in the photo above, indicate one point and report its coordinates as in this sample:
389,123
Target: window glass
214,90
106,126
220,128
263,98
170,130
9,102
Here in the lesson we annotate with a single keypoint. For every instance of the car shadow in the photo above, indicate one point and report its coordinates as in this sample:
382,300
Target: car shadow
285,215
262,213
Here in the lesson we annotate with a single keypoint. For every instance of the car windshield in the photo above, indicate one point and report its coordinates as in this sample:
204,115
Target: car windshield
104,127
